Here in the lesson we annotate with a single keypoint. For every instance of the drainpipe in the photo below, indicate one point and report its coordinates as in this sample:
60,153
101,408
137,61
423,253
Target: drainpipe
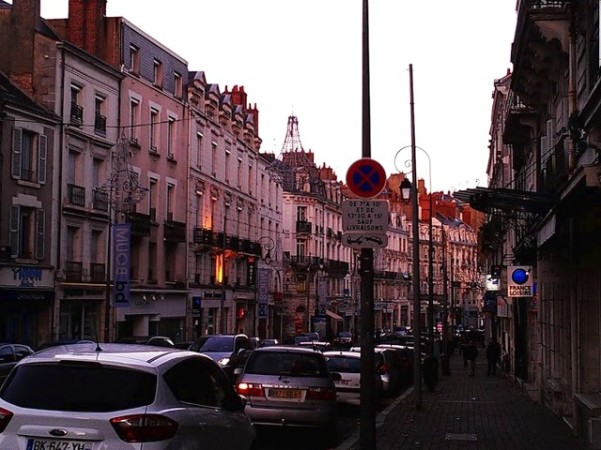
572,106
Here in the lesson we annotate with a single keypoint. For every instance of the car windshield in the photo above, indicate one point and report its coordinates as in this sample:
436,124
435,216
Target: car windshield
218,344
344,364
78,387
287,363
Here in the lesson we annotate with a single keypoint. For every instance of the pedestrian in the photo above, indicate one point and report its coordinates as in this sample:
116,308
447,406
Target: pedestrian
493,353
462,346
470,352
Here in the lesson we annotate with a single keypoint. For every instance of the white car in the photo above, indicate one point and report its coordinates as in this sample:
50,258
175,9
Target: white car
110,396
348,387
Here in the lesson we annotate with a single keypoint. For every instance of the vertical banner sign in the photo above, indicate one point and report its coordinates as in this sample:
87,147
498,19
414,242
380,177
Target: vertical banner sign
121,260
263,291
322,291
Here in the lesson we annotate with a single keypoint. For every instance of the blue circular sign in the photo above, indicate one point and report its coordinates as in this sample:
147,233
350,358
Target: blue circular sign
519,276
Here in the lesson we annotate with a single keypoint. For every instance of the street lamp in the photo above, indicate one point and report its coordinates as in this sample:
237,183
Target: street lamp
405,188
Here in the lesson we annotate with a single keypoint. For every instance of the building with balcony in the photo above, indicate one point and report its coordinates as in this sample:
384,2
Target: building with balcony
543,207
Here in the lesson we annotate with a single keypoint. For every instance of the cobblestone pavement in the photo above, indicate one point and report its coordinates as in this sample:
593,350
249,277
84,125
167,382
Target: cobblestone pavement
481,412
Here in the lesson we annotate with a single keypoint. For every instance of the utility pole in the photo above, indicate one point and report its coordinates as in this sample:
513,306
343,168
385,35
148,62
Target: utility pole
222,325
367,430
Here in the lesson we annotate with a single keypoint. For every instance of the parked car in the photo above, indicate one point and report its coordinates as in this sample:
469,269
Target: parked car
160,341
322,346
405,361
348,387
343,339
228,350
289,386
388,366
121,396
64,342
10,354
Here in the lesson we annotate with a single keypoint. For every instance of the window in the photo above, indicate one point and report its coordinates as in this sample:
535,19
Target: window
134,119
177,85
213,158
29,155
100,115
171,138
170,201
199,150
134,59
152,199
228,159
154,125
301,213
76,109
27,229
158,73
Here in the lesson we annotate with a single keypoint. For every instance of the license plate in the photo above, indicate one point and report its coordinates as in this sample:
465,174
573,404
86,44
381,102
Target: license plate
344,382
285,393
54,444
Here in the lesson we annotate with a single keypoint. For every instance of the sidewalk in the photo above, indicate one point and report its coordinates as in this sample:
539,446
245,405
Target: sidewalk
464,412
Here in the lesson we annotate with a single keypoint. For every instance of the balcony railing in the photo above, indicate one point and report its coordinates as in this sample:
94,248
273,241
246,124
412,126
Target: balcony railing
100,199
76,194
100,123
140,224
174,231
76,114
97,273
203,236
73,271
302,226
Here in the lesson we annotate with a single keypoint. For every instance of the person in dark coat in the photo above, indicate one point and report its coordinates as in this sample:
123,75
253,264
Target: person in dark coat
470,353
493,353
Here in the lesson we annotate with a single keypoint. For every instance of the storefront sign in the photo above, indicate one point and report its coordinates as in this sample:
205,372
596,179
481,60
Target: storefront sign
263,275
121,263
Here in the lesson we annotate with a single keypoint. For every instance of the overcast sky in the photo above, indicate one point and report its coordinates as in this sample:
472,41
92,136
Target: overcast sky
304,57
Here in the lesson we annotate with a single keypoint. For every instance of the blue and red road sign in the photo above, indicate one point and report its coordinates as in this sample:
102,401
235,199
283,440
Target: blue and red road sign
366,178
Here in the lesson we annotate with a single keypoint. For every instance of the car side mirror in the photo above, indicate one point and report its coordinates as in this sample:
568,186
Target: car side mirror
335,376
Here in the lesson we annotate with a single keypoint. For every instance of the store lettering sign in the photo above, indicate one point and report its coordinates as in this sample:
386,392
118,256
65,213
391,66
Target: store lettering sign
27,276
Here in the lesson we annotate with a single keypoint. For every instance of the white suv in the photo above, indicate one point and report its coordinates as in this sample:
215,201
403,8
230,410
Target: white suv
99,396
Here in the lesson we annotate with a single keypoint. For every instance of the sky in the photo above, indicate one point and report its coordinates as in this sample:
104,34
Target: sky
304,58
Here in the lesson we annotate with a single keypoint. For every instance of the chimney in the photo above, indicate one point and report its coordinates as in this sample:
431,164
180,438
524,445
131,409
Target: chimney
24,15
85,25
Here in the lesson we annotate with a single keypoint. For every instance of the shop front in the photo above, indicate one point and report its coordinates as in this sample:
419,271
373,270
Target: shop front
26,304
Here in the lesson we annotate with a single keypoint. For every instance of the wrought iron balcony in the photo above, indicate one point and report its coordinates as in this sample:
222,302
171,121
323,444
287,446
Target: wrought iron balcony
302,226
76,195
174,231
100,199
73,271
97,273
100,124
76,114
203,236
140,223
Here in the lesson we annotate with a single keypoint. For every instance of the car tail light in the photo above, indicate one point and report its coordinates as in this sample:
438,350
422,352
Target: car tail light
321,394
250,389
383,368
5,417
144,427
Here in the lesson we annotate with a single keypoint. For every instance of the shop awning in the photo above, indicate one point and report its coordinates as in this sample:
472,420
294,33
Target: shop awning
333,315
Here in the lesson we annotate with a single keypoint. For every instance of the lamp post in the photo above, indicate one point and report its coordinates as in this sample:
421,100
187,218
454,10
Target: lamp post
262,287
430,246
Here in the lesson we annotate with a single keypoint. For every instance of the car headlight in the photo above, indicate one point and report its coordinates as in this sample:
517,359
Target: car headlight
223,361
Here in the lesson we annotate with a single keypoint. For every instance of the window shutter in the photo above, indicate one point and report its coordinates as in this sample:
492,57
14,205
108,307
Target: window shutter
16,155
15,218
42,151
40,231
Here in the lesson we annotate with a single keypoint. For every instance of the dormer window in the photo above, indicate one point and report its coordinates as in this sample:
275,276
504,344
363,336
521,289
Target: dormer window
134,59
158,73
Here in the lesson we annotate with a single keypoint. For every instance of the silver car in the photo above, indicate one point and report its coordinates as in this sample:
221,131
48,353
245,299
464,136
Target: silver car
109,396
289,387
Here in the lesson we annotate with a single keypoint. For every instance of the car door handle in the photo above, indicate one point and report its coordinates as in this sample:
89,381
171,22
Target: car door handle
203,425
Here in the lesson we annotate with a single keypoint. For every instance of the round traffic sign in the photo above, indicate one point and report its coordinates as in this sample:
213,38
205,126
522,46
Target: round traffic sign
366,178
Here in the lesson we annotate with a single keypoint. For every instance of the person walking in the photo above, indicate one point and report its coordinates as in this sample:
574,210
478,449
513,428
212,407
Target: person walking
470,352
493,353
